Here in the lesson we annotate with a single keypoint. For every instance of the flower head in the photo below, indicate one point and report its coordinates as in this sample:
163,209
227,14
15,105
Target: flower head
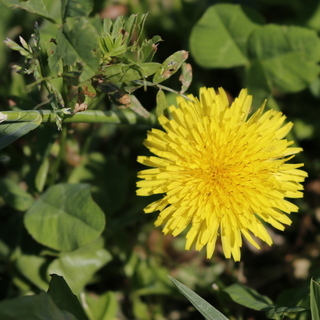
221,172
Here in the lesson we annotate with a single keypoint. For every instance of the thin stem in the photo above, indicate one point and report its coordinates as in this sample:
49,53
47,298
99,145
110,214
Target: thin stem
160,86
125,116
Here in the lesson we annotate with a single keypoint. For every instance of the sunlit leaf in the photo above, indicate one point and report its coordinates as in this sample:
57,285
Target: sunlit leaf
170,66
103,307
219,38
65,217
30,266
78,267
206,309
288,55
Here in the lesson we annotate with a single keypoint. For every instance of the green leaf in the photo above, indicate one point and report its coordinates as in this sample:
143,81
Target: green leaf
41,176
288,55
33,6
315,299
126,73
10,132
37,307
78,267
219,39
54,59
12,194
104,307
65,217
137,107
279,312
149,48
31,267
161,103
170,66
79,8
186,77
207,310
63,297
76,41
248,297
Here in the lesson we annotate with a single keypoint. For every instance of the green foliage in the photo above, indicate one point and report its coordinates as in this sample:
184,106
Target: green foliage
10,132
314,299
219,39
34,6
61,208
274,56
250,298
74,242
208,311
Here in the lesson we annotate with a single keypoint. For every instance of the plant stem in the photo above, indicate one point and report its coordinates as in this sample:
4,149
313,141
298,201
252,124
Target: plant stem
125,116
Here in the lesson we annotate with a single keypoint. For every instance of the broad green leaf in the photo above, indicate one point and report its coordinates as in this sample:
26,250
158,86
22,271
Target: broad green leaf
219,38
31,267
65,217
288,55
104,307
78,267
170,66
64,299
79,8
315,299
207,310
14,196
76,41
10,132
126,73
38,307
248,297
33,6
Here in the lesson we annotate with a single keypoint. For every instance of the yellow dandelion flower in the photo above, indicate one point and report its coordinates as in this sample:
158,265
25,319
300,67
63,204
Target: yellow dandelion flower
221,172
